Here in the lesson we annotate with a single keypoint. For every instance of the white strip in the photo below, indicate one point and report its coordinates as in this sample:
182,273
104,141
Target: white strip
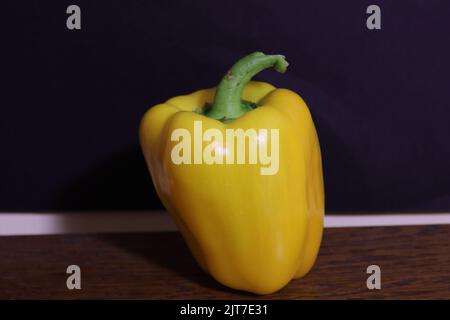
373,220
83,222
101,222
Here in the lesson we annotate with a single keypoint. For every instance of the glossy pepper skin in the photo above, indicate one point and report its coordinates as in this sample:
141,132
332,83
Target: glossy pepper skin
249,231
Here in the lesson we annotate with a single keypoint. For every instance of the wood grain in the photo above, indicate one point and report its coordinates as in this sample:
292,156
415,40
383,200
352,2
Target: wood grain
414,262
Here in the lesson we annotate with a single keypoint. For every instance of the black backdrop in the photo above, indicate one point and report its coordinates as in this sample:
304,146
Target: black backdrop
71,100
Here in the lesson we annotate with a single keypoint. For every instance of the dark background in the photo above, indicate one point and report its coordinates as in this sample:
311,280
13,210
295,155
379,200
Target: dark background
71,101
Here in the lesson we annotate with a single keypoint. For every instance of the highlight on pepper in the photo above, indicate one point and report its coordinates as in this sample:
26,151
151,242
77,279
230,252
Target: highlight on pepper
206,153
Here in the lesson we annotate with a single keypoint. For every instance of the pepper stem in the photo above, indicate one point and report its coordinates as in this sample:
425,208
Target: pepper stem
227,101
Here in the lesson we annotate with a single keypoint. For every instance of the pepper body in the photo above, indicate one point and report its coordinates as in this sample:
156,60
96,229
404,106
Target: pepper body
250,231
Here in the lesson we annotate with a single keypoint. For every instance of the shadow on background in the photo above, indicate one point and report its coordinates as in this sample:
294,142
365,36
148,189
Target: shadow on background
121,182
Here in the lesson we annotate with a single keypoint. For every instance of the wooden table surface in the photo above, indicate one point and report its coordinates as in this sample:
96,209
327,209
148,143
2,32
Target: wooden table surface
414,262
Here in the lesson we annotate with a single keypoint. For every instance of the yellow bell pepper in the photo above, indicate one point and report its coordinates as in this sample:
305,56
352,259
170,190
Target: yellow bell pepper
251,231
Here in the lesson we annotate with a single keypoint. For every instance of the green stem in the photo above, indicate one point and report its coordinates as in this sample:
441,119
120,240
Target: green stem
227,101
